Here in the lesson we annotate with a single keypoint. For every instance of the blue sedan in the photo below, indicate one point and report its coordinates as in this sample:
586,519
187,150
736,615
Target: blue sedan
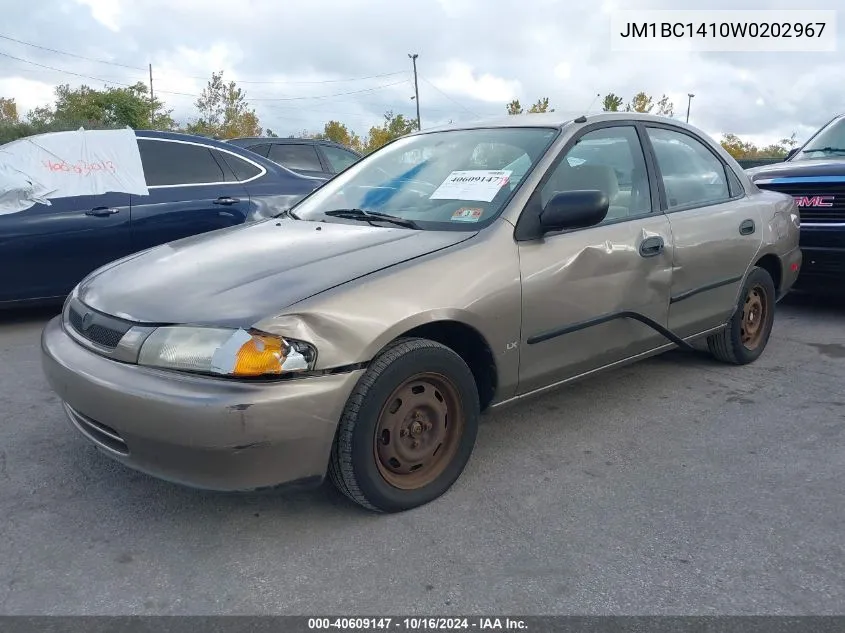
195,185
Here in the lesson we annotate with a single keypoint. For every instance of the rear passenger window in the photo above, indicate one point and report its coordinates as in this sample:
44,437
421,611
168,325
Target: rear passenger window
692,175
172,163
242,169
295,156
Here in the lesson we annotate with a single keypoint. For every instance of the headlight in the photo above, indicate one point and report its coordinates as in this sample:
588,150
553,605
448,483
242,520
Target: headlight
225,352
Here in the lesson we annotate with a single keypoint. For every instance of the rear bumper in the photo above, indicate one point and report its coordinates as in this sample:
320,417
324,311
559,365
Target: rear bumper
201,432
791,264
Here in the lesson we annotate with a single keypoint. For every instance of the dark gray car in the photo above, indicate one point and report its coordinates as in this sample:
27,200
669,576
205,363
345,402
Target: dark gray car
309,157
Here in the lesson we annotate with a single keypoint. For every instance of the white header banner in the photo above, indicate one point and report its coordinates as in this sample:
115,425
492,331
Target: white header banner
737,31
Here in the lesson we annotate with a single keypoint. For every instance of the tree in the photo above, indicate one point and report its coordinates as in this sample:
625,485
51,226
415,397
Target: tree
89,108
640,103
8,111
612,102
665,107
394,126
738,148
338,132
224,112
108,108
541,105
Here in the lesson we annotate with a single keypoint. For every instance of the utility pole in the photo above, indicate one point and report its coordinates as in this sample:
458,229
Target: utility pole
416,88
689,101
152,100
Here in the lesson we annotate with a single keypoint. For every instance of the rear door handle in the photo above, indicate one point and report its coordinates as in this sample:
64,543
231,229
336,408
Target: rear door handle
747,227
651,246
227,200
102,212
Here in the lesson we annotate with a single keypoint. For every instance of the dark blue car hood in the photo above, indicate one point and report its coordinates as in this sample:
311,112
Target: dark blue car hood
240,275
821,170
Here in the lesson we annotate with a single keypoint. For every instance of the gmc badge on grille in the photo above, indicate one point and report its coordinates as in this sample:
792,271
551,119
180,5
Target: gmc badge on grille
87,321
814,201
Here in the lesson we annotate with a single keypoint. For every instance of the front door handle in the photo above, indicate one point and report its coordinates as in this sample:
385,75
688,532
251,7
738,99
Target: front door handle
102,212
651,246
227,200
747,227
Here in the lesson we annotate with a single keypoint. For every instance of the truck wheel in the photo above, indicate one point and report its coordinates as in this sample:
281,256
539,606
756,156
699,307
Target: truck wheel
748,331
408,428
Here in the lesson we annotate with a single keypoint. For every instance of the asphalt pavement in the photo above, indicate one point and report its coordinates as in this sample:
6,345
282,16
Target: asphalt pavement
675,486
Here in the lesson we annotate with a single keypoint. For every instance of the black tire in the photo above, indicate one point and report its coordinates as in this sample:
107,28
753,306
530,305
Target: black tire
356,467
729,345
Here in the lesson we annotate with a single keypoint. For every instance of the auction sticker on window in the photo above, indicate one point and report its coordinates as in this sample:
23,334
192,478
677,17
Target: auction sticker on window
480,185
465,214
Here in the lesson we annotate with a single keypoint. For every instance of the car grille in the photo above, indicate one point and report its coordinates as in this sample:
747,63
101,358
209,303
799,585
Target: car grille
96,327
810,197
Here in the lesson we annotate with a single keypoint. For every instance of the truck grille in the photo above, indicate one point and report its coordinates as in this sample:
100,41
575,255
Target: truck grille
96,327
818,203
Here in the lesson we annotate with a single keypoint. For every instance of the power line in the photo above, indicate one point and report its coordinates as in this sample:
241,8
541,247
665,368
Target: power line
53,50
274,99
67,72
458,103
322,81
241,81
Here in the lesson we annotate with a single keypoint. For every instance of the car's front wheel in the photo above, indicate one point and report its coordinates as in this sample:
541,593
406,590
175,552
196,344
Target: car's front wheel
748,331
408,428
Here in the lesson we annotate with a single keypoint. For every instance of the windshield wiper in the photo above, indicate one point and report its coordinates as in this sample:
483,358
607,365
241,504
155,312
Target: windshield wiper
827,150
371,216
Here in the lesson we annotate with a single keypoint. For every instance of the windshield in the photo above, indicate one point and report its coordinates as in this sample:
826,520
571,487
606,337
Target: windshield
830,141
451,180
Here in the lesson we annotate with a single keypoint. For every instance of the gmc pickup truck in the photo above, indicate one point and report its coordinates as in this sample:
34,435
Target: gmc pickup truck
814,175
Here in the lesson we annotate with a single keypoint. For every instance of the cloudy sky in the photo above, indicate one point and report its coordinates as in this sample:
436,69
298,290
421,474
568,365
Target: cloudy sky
303,62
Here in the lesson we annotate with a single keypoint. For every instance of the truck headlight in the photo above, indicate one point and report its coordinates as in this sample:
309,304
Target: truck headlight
225,352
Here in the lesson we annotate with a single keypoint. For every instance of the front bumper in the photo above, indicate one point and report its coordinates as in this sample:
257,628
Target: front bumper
203,432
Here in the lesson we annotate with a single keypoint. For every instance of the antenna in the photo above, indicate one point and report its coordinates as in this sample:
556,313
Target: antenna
592,103
583,117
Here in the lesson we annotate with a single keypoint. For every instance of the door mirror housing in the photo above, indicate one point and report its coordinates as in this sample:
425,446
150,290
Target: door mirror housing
574,210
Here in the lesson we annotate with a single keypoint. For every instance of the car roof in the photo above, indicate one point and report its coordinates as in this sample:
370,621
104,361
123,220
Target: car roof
178,136
285,140
554,120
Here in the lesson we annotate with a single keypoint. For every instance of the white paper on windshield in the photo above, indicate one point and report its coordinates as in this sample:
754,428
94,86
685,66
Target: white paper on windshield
480,185
39,168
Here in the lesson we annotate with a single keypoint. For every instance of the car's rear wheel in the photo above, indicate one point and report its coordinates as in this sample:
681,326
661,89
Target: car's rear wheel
750,327
408,428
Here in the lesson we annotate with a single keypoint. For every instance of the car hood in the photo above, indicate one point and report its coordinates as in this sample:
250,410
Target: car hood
828,168
240,275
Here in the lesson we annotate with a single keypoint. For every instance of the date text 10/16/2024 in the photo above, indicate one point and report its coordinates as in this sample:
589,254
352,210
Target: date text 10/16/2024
418,624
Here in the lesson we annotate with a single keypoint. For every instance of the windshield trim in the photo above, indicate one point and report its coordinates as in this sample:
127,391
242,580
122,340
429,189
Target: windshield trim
430,225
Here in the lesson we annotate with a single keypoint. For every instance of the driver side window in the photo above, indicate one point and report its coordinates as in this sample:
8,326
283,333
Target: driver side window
608,159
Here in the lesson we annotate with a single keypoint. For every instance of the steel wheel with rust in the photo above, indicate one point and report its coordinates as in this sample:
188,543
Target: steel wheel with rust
418,431
754,312
408,429
748,331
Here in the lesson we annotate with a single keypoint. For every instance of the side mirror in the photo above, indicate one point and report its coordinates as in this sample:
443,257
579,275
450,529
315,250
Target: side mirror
792,152
574,210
